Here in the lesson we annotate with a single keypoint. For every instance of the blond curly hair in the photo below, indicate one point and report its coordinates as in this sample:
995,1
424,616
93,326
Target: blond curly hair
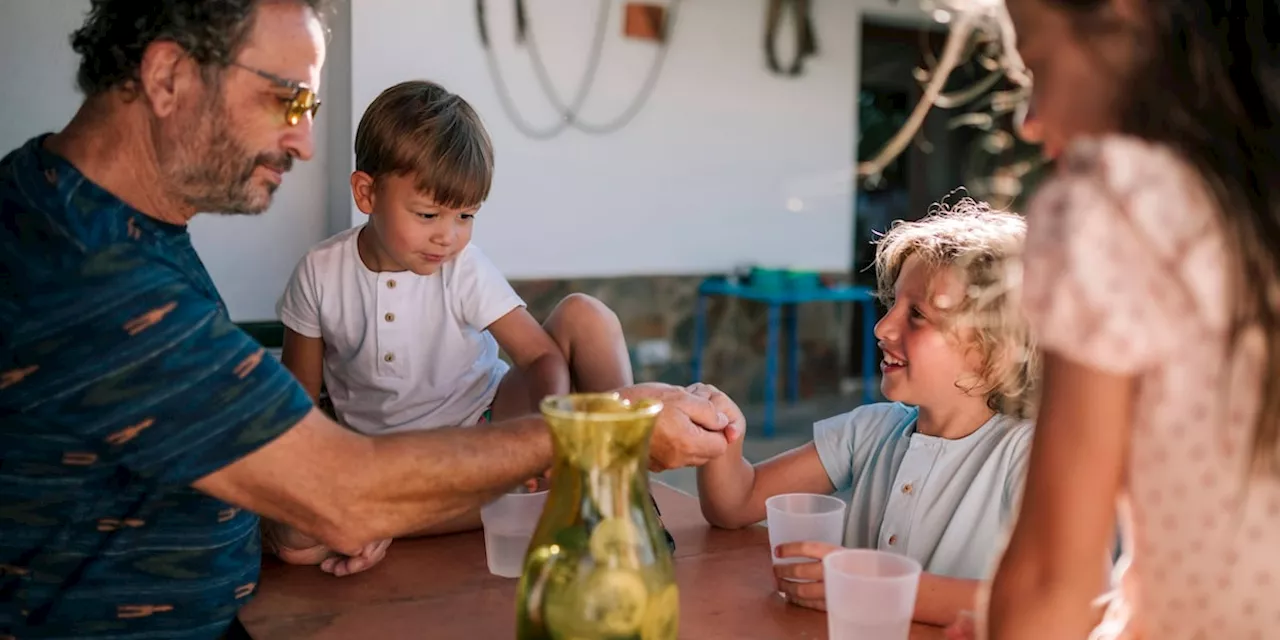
983,247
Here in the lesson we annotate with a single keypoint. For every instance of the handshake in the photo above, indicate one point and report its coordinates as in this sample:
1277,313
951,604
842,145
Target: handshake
697,424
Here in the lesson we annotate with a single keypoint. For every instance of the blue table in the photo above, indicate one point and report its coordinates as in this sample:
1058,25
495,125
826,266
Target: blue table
776,299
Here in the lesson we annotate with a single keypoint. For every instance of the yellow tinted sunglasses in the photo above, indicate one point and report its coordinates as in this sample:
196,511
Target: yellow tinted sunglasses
304,98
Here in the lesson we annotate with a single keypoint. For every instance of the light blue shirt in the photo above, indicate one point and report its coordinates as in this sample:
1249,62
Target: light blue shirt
942,502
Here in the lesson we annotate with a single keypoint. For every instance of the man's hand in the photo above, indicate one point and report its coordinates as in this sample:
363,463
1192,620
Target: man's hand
806,594
690,430
737,426
295,547
340,565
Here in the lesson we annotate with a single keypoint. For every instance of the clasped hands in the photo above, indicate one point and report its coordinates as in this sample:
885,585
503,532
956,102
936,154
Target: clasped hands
697,424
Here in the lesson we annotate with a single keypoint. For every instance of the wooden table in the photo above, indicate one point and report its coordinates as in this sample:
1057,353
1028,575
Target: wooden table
441,588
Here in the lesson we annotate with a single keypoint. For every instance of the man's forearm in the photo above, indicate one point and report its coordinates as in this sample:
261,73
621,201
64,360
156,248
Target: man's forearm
468,521
415,481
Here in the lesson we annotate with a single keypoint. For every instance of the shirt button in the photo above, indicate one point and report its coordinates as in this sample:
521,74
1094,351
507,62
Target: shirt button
390,317
390,357
907,488
893,540
391,284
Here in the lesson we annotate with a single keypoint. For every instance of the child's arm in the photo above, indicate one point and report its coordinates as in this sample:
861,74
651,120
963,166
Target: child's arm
939,599
732,491
299,311
304,357
1049,576
533,352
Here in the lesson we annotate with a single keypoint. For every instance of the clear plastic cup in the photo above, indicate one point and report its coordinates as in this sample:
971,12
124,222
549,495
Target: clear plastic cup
871,594
803,517
799,517
508,523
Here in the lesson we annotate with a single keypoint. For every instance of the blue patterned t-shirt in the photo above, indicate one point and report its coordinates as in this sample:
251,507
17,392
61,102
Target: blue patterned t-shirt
122,381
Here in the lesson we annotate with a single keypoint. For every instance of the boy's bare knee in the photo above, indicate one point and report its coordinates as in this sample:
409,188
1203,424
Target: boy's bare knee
583,312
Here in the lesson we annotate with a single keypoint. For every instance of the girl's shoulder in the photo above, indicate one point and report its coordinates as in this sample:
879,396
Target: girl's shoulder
1148,189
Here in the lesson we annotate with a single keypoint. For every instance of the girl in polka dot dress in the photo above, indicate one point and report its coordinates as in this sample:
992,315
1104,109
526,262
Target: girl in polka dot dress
1152,280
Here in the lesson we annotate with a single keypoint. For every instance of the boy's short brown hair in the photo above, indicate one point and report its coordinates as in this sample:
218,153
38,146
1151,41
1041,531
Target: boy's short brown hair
984,248
417,128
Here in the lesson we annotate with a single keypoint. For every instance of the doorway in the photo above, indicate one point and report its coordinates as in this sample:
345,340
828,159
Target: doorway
932,166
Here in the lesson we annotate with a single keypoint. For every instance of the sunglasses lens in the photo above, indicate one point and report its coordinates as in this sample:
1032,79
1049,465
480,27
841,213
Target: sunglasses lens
302,103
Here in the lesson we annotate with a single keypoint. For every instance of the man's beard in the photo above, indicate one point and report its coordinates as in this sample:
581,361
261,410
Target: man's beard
209,170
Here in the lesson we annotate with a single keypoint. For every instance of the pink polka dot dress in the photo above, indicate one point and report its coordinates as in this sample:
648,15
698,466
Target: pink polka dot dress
1126,271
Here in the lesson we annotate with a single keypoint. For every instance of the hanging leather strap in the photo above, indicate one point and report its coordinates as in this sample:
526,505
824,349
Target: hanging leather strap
806,36
481,24
522,22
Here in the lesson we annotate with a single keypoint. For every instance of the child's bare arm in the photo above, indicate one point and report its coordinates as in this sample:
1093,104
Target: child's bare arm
732,492
304,357
940,599
534,352
1048,577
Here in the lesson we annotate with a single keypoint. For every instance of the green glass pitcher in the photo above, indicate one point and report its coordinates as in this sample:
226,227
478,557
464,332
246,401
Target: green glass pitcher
598,566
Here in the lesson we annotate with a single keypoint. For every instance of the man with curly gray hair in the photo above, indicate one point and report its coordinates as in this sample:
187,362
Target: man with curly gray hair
142,434
219,115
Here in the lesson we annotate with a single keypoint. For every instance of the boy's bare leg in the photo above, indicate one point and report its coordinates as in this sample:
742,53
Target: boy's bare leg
590,337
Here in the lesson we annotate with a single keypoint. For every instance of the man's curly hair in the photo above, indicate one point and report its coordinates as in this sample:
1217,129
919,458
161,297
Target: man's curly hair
117,32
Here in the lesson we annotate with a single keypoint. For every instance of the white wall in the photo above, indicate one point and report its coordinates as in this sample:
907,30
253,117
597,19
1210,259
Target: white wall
37,67
249,257
698,183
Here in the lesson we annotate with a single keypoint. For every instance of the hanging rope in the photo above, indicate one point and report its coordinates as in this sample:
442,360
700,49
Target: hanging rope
569,113
522,22
500,86
637,103
806,38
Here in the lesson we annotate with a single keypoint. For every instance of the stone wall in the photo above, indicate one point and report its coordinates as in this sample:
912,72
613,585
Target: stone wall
663,308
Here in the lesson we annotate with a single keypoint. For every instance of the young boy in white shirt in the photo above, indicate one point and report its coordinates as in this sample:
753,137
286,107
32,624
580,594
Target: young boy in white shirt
401,319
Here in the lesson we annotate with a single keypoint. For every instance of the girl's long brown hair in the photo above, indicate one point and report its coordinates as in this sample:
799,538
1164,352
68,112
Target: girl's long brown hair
1211,92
